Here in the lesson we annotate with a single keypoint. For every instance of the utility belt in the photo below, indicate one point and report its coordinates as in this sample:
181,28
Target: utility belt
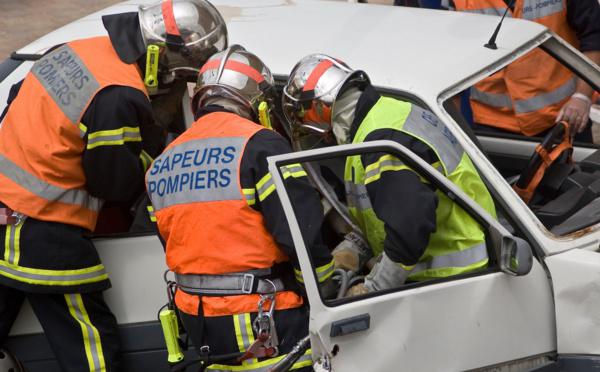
10,217
264,282
259,281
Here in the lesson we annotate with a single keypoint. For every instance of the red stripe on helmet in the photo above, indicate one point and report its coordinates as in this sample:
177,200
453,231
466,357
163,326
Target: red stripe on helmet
316,74
169,18
236,66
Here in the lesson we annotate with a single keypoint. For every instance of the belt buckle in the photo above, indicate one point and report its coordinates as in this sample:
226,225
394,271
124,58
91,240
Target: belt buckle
247,283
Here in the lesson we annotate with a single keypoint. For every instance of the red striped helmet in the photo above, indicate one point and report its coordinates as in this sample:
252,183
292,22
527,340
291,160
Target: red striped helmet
237,75
188,31
312,89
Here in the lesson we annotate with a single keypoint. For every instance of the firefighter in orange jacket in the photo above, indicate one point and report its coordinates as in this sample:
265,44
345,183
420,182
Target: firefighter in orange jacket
226,234
536,91
71,138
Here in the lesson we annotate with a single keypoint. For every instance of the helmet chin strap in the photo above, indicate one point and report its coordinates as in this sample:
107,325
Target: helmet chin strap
343,115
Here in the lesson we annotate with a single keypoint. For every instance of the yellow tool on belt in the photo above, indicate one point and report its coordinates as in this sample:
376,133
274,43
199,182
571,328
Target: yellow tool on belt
263,115
168,321
151,75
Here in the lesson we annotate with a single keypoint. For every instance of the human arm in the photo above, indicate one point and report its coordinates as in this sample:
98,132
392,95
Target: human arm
584,18
400,198
113,161
256,179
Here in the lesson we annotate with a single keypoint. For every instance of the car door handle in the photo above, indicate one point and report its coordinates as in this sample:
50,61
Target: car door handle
350,325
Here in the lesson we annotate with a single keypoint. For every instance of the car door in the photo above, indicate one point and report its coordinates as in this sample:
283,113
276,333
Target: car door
487,319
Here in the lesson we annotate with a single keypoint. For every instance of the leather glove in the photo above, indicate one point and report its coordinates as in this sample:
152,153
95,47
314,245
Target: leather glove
352,253
576,112
386,274
356,290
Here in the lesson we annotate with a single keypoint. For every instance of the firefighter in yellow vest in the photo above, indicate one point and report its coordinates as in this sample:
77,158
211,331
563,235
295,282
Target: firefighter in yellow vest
227,239
534,92
420,233
71,139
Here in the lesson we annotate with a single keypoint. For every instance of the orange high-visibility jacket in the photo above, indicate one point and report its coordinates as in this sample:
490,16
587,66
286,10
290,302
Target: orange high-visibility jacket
204,216
42,138
526,96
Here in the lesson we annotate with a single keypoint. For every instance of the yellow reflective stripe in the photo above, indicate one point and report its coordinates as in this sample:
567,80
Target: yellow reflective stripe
250,196
7,243
91,336
12,244
390,163
263,366
82,129
53,277
324,272
293,170
151,213
406,267
298,274
113,137
146,160
238,332
266,185
17,244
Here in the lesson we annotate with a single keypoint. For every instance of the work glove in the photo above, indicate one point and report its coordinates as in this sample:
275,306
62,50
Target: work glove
352,253
386,274
576,112
356,290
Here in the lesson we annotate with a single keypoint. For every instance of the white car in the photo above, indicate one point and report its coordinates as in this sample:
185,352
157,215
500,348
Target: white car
519,314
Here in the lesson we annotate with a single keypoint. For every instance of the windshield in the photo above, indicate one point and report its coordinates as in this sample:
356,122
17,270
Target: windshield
533,120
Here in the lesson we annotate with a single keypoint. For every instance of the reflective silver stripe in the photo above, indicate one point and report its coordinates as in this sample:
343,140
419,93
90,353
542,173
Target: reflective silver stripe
492,99
20,274
201,170
242,326
265,187
11,230
489,11
462,258
292,169
123,136
250,195
386,163
535,9
325,271
357,196
263,366
67,80
546,99
45,190
92,343
426,126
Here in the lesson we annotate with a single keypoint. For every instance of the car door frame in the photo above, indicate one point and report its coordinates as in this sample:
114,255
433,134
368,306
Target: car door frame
344,352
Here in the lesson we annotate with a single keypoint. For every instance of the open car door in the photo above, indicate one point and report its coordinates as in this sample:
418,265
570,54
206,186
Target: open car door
502,316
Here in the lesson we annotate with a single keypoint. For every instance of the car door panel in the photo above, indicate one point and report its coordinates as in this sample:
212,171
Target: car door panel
452,326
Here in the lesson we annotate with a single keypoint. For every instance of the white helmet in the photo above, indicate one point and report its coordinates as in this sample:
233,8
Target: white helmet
191,31
312,89
235,75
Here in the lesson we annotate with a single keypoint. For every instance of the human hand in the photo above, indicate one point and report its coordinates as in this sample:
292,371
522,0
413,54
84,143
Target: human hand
357,290
576,112
352,253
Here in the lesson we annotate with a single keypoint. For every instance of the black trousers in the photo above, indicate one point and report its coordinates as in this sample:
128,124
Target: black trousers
232,334
81,329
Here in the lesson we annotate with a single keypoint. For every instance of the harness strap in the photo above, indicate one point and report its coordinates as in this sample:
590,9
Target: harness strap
228,284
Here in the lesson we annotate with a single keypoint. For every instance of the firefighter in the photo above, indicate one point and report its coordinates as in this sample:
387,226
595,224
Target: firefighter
534,92
227,239
71,139
418,231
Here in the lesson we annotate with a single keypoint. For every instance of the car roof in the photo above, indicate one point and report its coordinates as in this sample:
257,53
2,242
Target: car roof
417,50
